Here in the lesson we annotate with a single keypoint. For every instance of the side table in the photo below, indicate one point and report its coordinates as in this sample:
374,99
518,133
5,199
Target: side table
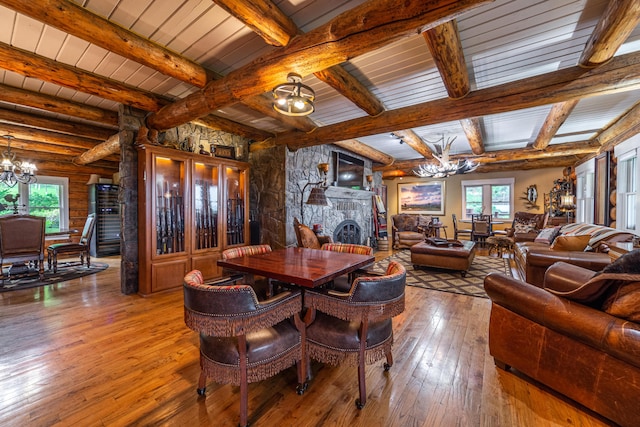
500,244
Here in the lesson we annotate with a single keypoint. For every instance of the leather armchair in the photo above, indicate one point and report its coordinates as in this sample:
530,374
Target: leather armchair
407,229
579,351
243,340
537,221
338,320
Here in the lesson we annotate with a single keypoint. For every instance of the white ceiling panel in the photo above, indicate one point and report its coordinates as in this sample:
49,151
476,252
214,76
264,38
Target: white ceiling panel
503,41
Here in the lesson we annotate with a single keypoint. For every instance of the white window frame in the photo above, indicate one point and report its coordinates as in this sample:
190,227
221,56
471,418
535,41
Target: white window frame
486,194
23,191
585,181
624,151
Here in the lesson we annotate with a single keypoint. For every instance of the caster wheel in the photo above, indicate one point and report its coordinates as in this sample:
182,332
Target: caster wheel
387,367
358,404
301,388
201,391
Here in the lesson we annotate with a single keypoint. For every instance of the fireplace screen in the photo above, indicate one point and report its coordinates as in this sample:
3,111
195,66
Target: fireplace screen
348,231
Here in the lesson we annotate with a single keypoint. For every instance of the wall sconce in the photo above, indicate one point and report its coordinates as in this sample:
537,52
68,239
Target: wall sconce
316,196
293,98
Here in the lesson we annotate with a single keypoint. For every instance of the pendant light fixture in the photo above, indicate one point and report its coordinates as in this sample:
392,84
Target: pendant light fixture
293,98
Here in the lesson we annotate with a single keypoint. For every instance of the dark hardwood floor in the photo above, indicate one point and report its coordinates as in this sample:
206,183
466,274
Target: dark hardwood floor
80,353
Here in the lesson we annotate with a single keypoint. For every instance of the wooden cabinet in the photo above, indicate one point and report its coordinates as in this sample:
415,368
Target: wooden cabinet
190,208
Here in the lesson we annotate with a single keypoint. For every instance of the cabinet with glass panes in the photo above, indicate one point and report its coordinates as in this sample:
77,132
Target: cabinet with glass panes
190,208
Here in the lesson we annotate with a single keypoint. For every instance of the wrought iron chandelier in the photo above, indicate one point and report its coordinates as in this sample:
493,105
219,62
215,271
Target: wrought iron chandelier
293,98
15,171
444,167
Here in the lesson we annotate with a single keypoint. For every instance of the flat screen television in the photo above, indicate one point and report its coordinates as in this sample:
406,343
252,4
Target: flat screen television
348,171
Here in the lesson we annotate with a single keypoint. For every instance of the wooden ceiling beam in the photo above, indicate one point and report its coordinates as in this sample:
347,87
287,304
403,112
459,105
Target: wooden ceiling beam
220,123
349,87
52,138
31,65
264,18
444,44
264,104
622,129
364,150
581,148
276,28
558,86
613,28
556,117
342,38
615,25
41,101
107,148
64,165
43,122
75,19
498,166
414,141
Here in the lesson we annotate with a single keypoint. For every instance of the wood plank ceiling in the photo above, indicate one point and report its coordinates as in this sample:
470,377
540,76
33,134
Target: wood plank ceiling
519,84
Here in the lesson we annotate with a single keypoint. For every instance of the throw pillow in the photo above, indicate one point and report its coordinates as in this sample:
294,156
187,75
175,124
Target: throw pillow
308,238
570,243
547,235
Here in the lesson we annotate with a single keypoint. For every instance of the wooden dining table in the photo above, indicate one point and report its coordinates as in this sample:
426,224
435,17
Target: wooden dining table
308,268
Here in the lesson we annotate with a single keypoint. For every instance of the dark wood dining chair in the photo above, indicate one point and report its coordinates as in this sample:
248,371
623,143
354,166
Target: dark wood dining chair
480,228
460,231
339,320
81,247
243,340
22,242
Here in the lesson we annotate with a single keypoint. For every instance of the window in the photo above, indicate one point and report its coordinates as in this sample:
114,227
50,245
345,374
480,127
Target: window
489,196
48,197
585,179
627,191
627,201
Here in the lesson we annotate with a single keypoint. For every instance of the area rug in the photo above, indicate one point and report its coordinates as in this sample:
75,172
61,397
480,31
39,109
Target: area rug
449,280
65,272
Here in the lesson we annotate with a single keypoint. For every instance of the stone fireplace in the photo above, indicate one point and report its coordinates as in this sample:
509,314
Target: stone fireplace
276,195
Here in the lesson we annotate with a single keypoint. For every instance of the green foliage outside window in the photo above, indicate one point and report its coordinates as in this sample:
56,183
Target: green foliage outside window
43,200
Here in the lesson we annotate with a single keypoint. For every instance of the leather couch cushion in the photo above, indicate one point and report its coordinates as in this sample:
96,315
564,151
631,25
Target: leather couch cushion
570,243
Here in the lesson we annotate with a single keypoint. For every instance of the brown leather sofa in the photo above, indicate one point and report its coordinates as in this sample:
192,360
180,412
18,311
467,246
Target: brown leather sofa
575,349
532,259
408,229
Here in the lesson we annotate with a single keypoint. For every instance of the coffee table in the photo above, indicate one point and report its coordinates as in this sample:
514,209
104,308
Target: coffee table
449,257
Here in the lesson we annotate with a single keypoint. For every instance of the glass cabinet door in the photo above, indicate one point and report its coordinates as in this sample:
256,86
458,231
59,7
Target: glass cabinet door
235,205
169,205
205,216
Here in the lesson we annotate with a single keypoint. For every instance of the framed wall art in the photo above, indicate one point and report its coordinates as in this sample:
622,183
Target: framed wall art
421,198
